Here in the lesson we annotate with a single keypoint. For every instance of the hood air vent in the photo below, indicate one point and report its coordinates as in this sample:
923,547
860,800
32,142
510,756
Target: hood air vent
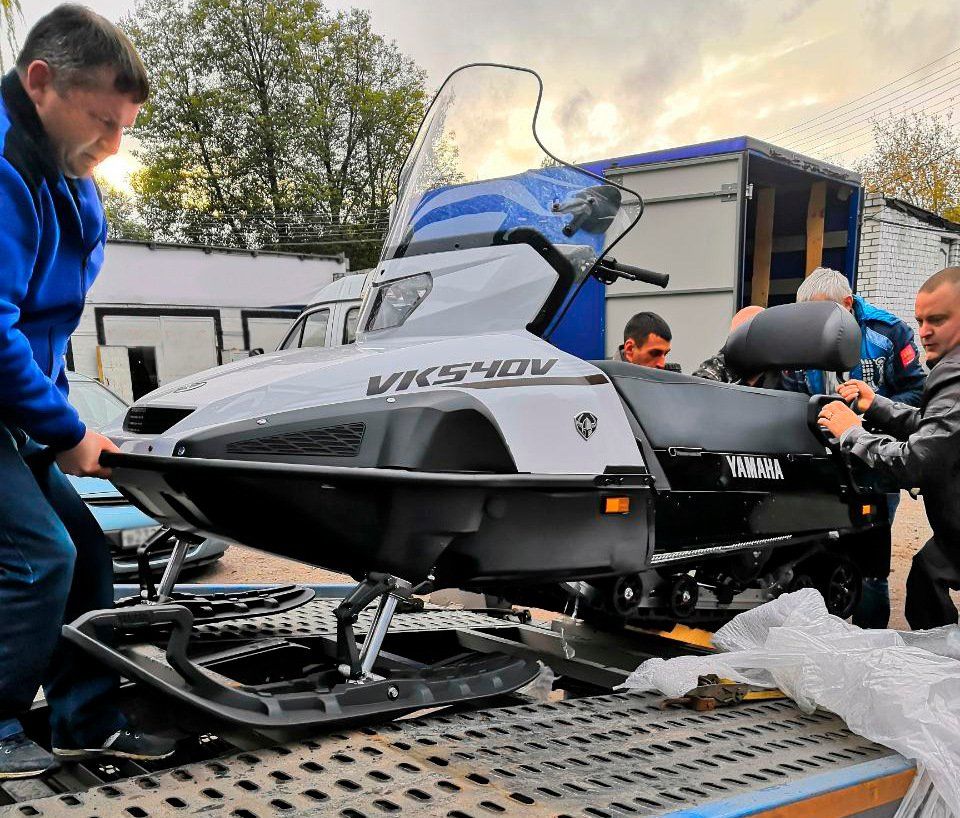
331,441
153,420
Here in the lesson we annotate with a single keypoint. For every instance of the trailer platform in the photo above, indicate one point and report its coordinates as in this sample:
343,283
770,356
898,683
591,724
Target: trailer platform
585,751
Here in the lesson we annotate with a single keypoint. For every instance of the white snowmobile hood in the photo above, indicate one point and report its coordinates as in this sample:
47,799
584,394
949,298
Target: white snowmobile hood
264,386
261,372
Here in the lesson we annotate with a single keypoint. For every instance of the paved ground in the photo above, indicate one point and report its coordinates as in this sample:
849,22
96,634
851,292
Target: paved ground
910,531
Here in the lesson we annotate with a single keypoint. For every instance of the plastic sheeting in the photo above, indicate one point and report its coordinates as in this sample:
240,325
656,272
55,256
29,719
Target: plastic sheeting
898,689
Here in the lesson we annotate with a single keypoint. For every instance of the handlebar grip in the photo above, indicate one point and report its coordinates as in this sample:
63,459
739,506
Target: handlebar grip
640,274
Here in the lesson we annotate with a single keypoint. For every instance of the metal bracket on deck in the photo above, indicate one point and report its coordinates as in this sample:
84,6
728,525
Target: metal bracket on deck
205,608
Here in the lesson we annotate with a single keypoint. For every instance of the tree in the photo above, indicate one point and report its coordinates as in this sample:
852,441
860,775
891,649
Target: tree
916,158
122,217
271,124
10,12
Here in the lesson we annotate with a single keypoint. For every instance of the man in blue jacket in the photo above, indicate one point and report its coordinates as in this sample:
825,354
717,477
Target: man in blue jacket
890,365
77,84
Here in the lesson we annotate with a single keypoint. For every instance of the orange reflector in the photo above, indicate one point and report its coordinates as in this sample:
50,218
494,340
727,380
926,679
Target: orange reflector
616,505
867,511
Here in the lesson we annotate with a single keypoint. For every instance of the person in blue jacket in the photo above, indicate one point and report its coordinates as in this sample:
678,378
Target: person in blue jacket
77,84
890,365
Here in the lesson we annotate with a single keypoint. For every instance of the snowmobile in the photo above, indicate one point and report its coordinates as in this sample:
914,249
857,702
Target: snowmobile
453,446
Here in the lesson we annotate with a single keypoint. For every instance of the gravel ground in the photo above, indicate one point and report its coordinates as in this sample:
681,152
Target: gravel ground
910,532
238,565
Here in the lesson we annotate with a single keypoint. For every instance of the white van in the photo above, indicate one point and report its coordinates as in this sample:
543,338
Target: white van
331,317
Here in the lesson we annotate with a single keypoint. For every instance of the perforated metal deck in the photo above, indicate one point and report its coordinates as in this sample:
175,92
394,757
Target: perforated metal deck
601,757
316,618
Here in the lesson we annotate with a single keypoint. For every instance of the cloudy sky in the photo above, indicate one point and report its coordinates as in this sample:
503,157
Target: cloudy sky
623,77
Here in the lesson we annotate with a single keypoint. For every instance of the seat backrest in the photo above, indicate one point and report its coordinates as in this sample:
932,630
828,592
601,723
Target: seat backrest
808,335
682,411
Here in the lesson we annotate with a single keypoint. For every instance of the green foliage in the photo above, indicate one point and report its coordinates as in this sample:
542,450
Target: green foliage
122,217
10,13
916,158
274,124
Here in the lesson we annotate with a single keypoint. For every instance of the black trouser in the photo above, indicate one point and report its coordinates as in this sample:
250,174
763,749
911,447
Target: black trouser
933,574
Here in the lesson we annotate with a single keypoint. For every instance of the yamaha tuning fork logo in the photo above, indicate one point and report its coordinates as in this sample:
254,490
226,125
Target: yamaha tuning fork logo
586,424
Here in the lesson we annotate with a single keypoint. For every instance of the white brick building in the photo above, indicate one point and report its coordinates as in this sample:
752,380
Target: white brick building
900,247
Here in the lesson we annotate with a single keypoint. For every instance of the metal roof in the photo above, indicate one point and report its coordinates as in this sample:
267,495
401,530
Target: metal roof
927,216
718,147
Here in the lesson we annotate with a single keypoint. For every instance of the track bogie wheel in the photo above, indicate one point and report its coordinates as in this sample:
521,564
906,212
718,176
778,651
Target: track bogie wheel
625,595
684,595
841,583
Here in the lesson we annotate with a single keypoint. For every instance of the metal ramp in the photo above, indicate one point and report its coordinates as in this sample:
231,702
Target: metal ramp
601,757
598,756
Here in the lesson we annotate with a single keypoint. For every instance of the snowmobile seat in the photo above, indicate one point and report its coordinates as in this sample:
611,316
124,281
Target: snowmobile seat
684,412
681,411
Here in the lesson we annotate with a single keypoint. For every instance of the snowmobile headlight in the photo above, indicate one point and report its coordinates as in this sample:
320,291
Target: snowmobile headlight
394,301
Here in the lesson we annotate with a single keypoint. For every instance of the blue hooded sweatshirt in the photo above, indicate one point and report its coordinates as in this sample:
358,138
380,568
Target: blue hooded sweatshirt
889,361
52,235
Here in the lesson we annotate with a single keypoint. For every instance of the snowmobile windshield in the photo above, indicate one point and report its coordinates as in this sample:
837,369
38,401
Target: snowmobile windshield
478,175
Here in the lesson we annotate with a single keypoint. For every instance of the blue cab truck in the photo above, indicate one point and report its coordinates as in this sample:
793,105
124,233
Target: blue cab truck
734,222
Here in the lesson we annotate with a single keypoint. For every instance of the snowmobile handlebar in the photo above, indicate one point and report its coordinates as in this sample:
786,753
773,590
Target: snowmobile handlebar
609,270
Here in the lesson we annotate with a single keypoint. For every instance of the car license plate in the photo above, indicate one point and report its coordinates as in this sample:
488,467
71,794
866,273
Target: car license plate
135,537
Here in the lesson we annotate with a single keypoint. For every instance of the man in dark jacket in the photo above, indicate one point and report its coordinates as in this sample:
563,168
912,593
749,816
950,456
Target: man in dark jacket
922,447
76,86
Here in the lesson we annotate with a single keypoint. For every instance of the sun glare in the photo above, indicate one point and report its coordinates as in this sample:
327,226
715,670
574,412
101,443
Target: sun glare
117,170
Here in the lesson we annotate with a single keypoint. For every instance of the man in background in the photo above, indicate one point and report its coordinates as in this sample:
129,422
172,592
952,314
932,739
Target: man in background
717,368
646,341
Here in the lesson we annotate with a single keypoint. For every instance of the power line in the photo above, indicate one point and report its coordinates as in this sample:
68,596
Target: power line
917,99
856,137
945,105
853,117
324,243
293,223
863,96
331,234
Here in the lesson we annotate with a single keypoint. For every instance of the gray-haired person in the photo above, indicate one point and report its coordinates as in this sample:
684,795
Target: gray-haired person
890,365
77,84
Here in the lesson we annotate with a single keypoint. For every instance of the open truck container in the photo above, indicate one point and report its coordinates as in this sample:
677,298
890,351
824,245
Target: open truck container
734,222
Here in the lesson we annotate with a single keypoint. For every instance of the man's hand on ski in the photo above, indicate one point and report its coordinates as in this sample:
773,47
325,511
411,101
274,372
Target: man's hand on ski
854,390
83,460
